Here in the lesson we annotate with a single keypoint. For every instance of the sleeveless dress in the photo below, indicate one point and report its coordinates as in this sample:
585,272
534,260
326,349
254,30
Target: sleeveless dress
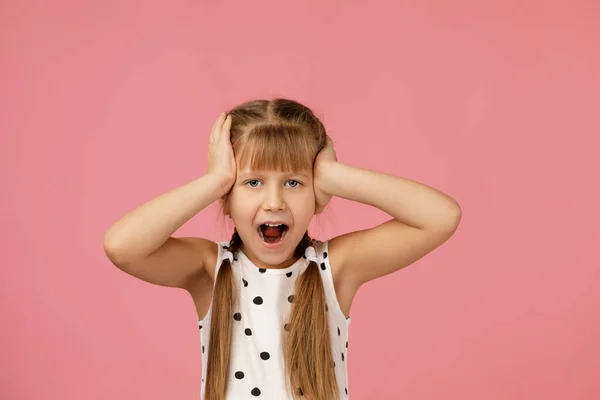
256,367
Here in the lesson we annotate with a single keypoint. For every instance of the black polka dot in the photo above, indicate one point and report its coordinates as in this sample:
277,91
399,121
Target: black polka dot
325,255
342,356
346,389
258,300
200,326
288,274
262,270
286,327
248,332
339,333
237,316
202,379
264,355
334,364
323,267
346,344
291,298
234,258
245,282
203,349
239,375
255,392
326,307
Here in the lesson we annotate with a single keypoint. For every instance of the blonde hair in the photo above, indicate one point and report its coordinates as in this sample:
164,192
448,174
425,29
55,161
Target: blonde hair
283,135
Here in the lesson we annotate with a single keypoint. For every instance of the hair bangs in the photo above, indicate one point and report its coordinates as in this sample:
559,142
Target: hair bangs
271,147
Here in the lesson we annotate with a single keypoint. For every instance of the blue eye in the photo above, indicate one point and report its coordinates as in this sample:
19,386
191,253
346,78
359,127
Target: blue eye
298,183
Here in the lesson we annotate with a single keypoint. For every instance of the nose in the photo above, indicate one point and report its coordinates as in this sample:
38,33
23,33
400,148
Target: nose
273,199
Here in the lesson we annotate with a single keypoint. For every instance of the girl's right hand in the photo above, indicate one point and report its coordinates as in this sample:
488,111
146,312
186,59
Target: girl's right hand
221,161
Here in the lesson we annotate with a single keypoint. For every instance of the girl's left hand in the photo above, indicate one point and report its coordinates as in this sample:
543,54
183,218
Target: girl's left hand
326,156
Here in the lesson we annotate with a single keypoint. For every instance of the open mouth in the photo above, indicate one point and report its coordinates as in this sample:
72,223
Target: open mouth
272,233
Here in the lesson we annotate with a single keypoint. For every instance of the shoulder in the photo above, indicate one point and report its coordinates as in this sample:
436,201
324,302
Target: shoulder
212,252
321,249
337,258
324,250
331,258
220,247
319,245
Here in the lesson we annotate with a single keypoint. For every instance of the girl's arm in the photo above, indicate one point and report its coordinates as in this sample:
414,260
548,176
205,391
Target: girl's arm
140,243
410,202
143,230
424,218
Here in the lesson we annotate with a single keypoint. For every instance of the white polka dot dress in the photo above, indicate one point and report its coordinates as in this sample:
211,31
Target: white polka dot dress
264,301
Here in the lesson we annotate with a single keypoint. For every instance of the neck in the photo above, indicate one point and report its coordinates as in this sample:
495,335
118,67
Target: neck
289,261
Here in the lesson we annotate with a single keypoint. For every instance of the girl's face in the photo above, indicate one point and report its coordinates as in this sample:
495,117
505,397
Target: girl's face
256,197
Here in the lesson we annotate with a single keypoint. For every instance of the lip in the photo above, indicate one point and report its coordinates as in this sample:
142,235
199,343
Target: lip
273,222
272,245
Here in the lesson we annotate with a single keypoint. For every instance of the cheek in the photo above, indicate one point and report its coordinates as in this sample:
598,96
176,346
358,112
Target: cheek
236,197
243,207
304,207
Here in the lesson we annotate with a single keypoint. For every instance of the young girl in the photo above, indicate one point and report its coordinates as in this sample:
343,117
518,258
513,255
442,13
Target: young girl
273,303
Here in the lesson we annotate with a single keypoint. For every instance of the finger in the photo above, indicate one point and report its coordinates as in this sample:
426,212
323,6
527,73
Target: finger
227,127
219,122
216,126
222,122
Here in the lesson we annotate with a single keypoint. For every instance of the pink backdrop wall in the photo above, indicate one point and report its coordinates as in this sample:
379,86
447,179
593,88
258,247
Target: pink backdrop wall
105,105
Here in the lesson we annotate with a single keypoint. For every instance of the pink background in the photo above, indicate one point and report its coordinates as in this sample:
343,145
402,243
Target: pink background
106,105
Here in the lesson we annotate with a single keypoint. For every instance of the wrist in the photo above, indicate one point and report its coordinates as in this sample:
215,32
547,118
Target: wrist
327,176
220,182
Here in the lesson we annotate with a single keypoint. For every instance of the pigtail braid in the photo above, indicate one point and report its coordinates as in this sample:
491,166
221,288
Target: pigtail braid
219,348
308,356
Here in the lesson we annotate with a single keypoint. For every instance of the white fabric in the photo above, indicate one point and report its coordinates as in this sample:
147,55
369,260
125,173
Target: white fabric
262,310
